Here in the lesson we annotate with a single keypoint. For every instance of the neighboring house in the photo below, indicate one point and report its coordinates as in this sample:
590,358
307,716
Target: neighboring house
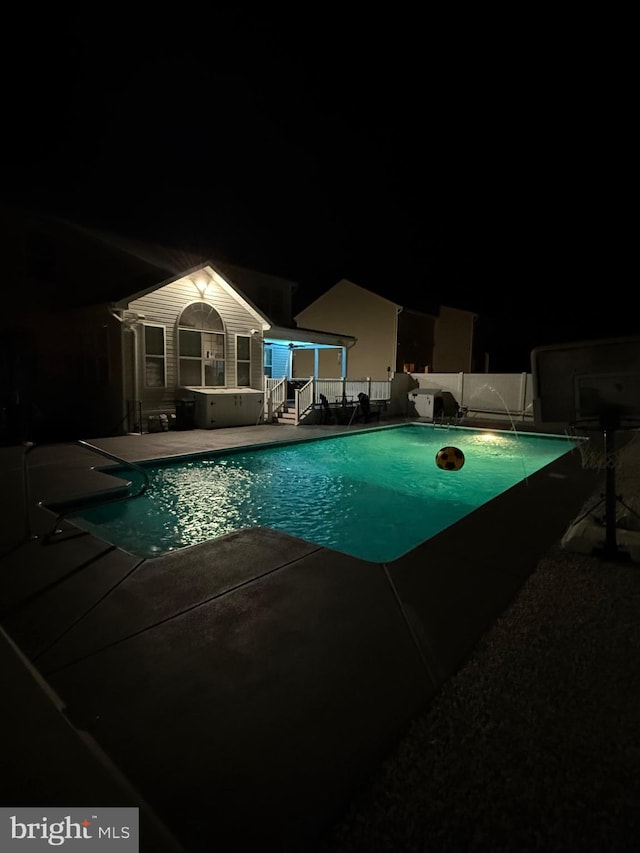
453,346
104,336
367,317
416,341
389,337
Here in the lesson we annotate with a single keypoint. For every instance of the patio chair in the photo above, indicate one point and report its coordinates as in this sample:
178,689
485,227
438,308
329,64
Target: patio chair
364,409
325,412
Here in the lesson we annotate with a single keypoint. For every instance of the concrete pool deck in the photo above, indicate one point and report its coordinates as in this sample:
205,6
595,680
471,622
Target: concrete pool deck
241,690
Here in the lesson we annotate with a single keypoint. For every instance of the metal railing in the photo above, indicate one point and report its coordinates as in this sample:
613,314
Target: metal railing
126,463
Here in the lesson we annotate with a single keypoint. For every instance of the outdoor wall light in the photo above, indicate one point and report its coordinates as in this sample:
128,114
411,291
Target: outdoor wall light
201,282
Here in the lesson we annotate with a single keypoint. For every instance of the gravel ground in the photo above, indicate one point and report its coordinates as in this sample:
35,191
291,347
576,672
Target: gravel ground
534,745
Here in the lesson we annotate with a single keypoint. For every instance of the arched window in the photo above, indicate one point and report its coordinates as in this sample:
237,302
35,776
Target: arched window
201,346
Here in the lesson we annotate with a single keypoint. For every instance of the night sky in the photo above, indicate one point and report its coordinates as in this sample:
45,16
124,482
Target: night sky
479,163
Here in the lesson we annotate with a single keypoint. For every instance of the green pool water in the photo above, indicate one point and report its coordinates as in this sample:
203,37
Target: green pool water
374,495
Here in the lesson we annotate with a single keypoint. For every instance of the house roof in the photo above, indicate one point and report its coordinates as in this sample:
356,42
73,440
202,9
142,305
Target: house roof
345,283
433,311
167,263
95,266
301,338
244,276
116,270
212,271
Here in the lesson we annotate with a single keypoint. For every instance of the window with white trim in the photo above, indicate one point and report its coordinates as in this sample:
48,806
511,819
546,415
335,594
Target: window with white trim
267,366
155,361
201,344
243,361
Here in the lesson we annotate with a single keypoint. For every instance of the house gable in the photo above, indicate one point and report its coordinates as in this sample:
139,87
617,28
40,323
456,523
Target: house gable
202,282
359,312
341,292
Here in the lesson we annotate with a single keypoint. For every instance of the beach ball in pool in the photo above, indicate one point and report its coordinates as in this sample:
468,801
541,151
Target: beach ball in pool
450,458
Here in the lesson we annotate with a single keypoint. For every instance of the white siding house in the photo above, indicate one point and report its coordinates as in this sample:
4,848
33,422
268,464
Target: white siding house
194,334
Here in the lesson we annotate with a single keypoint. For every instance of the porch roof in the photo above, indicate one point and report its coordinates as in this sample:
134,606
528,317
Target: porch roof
309,338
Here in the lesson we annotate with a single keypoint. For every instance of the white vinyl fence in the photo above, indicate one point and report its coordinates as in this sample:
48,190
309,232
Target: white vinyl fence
502,396
495,396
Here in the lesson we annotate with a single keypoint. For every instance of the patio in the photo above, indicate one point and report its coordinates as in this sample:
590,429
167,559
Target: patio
243,689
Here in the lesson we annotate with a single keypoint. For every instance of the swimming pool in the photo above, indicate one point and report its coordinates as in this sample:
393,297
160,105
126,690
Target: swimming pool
375,494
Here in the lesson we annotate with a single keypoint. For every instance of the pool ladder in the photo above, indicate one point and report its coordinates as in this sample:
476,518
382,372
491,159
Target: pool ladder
442,423
451,419
30,446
